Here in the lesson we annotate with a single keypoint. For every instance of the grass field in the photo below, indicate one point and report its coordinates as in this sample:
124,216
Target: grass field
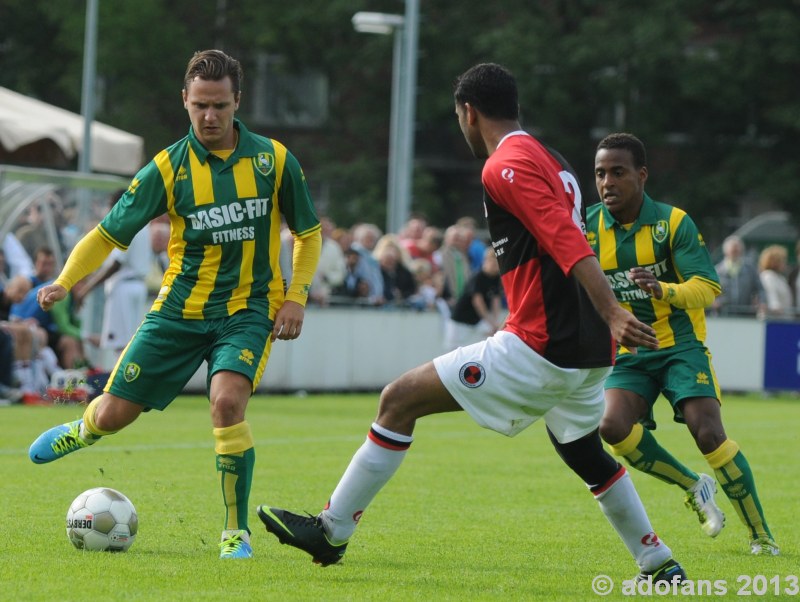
471,515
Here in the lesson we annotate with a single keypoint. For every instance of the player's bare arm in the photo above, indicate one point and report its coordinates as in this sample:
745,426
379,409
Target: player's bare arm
625,328
288,321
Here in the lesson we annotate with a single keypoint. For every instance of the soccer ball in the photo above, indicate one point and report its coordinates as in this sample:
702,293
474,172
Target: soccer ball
102,519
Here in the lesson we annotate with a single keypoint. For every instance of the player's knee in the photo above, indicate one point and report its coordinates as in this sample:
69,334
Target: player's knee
613,430
391,401
709,437
394,410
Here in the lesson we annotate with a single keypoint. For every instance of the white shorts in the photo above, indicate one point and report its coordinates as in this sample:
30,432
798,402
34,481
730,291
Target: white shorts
123,312
506,386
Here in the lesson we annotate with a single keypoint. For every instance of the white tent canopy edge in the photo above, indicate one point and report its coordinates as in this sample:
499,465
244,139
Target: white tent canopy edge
24,120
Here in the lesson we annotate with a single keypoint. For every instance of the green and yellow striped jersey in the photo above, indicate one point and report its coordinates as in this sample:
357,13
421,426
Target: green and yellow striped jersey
225,218
665,240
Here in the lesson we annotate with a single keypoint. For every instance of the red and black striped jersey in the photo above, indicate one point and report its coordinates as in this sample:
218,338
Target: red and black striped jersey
536,221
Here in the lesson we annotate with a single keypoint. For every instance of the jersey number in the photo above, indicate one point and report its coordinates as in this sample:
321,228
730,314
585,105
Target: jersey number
571,187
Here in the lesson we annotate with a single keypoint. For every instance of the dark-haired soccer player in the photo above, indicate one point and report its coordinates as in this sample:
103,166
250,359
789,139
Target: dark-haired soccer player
549,361
659,267
222,299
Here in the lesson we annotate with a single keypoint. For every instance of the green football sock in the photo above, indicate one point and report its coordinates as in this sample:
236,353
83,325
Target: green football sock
734,474
643,452
236,475
235,461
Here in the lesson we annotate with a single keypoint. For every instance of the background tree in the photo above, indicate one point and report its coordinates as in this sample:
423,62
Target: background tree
708,85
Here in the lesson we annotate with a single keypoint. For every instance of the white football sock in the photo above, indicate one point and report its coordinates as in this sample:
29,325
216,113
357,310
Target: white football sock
624,510
370,469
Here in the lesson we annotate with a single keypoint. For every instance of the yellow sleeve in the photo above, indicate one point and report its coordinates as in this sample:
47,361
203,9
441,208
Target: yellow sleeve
695,293
88,255
305,257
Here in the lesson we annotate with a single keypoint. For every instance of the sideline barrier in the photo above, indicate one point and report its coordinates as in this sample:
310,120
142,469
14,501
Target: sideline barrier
354,349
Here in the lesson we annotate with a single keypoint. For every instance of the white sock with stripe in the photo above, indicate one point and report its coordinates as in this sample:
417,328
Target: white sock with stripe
623,508
370,469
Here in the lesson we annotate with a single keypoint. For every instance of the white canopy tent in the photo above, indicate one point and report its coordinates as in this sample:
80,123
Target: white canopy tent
25,120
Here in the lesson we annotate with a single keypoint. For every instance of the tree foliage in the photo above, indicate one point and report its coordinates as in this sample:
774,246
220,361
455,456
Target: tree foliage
708,85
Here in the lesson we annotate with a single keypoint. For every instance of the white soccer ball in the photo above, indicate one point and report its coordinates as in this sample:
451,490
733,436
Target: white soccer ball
102,519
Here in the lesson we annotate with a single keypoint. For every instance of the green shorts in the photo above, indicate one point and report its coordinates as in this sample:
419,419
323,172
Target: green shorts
678,372
166,352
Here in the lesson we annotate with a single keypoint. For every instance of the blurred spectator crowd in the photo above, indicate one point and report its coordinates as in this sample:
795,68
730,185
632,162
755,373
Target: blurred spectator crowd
47,353
451,270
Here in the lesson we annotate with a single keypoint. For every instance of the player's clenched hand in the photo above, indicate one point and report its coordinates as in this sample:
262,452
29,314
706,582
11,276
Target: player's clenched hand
288,321
630,332
47,296
646,280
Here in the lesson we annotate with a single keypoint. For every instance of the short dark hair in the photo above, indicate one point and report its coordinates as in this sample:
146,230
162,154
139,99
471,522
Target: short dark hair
491,89
214,65
628,142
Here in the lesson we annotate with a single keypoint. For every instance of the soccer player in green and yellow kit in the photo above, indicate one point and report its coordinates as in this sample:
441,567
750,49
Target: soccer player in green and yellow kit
223,299
657,263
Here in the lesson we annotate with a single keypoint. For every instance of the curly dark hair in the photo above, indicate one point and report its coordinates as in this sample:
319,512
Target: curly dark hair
627,142
491,89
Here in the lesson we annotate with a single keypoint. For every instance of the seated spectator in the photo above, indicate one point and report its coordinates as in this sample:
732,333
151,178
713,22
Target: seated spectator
365,237
477,312
742,293
331,267
429,285
5,271
454,263
475,246
17,259
19,347
33,361
355,286
31,233
60,323
44,265
13,292
772,267
343,237
428,246
398,281
794,279
123,276
412,233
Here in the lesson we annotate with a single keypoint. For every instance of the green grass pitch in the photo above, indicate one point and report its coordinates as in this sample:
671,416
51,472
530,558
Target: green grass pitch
471,515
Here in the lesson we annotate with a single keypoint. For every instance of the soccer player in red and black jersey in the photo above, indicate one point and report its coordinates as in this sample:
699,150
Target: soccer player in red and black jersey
549,361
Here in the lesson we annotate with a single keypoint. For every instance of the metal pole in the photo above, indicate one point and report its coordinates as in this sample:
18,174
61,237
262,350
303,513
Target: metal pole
407,112
87,92
392,192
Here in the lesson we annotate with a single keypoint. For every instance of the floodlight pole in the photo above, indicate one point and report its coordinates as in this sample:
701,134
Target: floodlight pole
407,115
88,88
403,102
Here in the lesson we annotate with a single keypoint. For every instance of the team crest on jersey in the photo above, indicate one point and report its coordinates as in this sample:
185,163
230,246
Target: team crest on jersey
472,375
264,163
660,231
591,238
131,372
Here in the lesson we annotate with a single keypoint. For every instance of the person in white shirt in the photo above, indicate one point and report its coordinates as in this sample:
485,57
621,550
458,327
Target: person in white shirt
124,276
772,267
